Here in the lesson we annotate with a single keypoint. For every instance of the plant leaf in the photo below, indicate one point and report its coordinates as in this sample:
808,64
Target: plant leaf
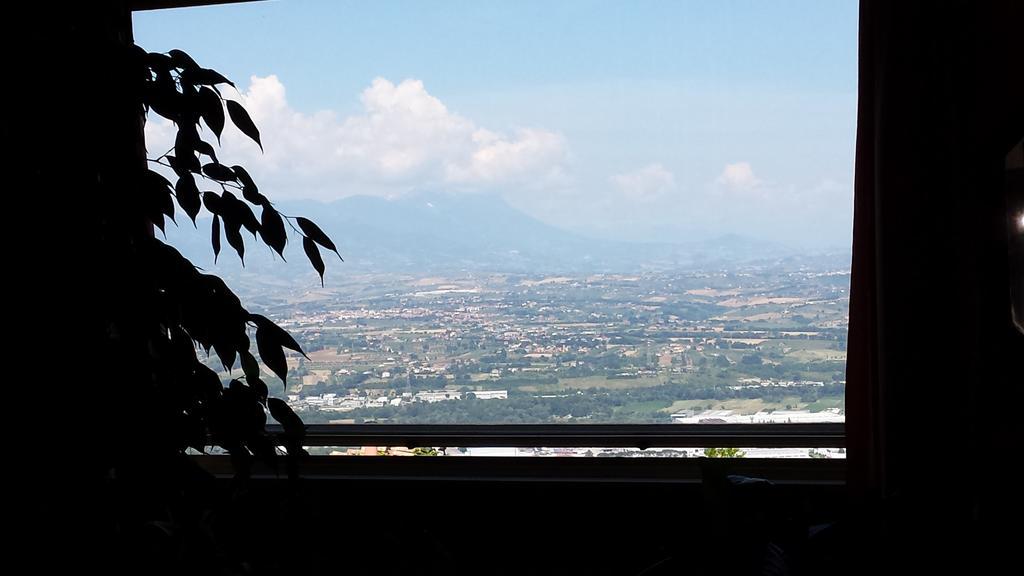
272,230
184,142
167,205
215,236
261,445
232,230
188,196
240,210
282,335
248,415
213,202
244,178
313,253
282,412
157,179
209,77
250,367
242,120
190,109
162,95
205,148
219,172
182,60
226,355
207,381
212,110
259,387
313,231
249,190
181,166
271,352
158,195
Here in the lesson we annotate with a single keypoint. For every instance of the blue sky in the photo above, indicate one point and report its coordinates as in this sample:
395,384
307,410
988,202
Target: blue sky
638,120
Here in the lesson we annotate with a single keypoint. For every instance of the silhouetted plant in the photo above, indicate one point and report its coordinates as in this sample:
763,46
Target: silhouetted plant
193,310
713,452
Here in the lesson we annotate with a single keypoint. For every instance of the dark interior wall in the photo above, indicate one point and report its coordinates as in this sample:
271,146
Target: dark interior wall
445,527
932,413
75,136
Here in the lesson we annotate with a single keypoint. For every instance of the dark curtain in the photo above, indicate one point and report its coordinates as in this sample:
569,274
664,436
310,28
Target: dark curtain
935,362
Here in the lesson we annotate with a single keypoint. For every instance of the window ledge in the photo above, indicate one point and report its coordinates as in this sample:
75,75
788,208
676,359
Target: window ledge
579,435
792,471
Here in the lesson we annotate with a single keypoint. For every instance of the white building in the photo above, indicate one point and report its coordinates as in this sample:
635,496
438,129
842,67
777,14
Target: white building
491,394
437,395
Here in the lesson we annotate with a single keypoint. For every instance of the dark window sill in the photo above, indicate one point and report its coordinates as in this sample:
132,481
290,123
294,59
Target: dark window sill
580,435
786,471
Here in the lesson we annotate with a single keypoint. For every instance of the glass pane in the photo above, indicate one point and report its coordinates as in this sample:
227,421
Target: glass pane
567,212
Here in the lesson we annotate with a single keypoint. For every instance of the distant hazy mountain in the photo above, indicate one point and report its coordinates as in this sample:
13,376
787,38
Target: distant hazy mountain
440,232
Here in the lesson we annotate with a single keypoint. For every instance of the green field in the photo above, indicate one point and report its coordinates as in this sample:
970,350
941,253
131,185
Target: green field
818,355
588,382
827,402
651,406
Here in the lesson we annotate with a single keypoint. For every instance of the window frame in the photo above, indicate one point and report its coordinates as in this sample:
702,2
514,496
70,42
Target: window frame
641,436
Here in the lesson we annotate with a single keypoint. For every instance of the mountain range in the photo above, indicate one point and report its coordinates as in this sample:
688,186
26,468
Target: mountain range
437,232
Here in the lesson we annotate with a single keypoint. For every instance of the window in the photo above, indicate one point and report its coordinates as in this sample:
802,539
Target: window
551,214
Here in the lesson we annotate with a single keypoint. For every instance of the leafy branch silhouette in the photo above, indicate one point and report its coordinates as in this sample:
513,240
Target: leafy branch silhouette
195,310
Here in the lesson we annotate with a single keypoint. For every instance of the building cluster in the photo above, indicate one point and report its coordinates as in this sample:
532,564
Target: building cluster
749,383
584,452
834,415
431,340
344,403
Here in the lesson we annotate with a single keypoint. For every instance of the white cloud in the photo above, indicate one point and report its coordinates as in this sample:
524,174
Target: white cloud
404,139
739,176
647,183
531,153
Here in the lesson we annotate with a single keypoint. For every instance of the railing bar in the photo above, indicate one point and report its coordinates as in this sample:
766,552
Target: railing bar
596,435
